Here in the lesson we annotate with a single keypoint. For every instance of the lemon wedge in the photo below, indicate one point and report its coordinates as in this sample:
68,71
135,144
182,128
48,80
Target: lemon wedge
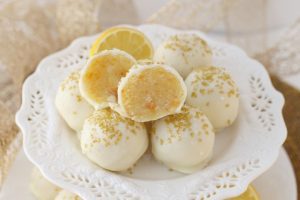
126,39
99,79
250,194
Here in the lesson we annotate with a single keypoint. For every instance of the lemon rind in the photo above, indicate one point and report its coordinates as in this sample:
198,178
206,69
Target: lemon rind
103,36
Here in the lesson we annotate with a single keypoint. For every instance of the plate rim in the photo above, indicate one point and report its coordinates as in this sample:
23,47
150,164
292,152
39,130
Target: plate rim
243,184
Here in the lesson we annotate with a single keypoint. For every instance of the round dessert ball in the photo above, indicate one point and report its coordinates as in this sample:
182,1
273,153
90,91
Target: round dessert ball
149,92
101,75
184,52
70,104
66,195
184,141
41,188
112,141
212,90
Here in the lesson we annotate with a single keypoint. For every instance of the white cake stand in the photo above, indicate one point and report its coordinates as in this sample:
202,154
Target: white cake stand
277,183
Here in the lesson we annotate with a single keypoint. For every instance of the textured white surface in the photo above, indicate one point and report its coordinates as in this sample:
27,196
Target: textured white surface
70,104
221,106
244,151
188,148
118,149
277,183
171,52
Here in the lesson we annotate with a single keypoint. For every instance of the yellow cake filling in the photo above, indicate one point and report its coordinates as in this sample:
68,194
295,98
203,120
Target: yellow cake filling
151,94
102,76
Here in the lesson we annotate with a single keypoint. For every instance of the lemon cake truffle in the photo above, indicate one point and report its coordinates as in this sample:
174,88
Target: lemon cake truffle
100,77
184,141
70,104
66,195
149,92
41,188
213,91
184,52
112,141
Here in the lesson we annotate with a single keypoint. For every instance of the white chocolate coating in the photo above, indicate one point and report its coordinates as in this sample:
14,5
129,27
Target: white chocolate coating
66,195
101,75
184,52
213,91
41,188
184,141
70,104
112,141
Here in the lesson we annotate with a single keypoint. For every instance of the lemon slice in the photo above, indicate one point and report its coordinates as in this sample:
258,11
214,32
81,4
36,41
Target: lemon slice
100,77
149,92
97,42
250,194
127,39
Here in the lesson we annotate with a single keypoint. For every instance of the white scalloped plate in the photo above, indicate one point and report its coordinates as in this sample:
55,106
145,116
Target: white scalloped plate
242,152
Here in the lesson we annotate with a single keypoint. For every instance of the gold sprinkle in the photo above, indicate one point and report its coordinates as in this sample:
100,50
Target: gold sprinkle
108,121
205,126
192,134
210,80
161,141
194,95
79,98
181,123
71,82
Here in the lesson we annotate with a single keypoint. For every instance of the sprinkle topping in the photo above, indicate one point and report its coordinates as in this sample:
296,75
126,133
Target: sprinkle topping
71,84
109,128
184,124
186,43
210,80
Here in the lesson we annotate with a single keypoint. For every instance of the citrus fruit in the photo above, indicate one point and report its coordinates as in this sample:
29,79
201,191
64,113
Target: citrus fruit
126,39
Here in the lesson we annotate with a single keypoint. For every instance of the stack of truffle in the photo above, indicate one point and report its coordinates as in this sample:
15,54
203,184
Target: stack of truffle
124,99
42,189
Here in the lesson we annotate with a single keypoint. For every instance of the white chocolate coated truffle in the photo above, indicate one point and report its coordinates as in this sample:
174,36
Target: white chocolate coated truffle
70,104
149,92
101,75
112,141
213,91
41,188
66,195
184,141
184,52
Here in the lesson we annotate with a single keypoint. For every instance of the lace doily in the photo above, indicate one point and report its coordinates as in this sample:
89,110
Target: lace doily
242,151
